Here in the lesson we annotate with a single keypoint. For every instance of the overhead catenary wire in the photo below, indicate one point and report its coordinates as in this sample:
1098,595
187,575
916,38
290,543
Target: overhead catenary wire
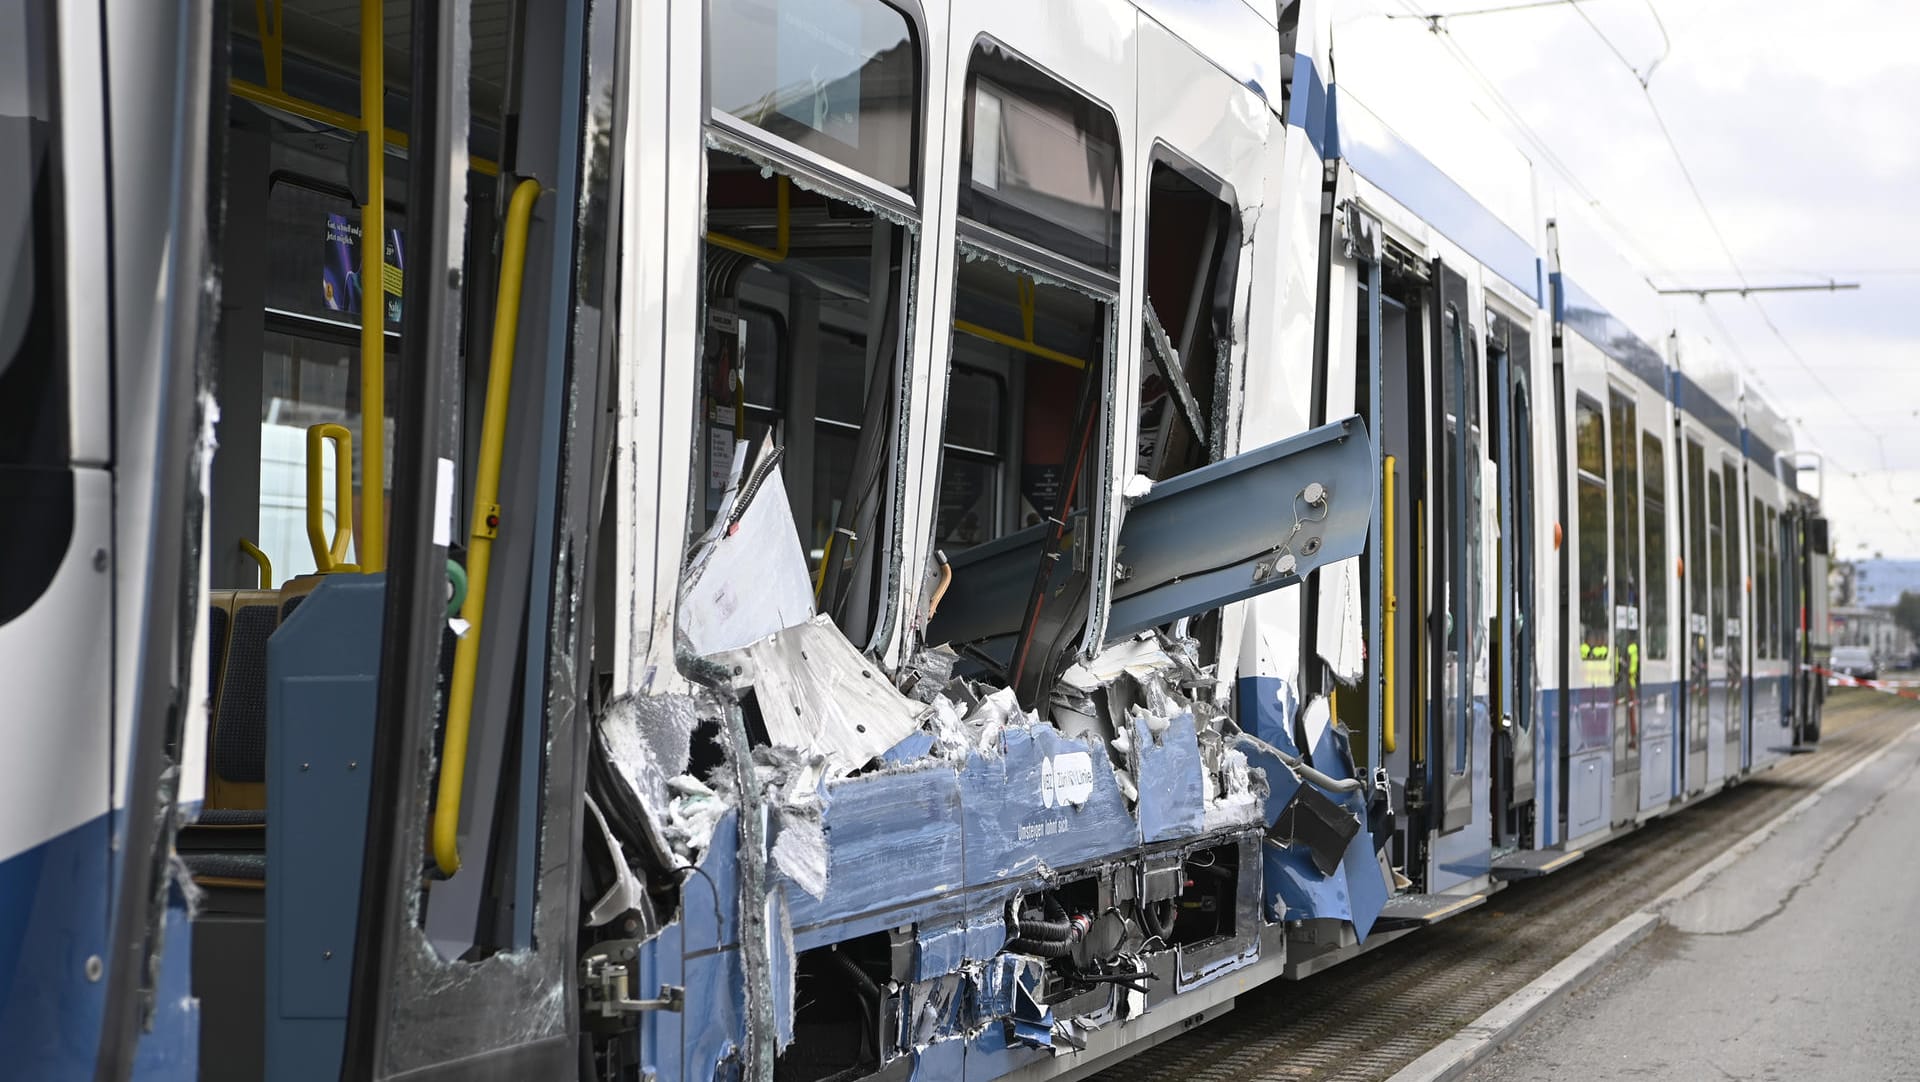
1643,80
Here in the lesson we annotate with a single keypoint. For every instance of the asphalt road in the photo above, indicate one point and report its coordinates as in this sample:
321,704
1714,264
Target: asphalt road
1798,962
1364,1019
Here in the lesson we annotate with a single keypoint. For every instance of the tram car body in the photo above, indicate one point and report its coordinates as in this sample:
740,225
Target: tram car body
903,539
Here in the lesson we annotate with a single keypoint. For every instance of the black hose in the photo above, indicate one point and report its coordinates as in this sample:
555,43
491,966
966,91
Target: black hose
1043,948
1157,926
1050,926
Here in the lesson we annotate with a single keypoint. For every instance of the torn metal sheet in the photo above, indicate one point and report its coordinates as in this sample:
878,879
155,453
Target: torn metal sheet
1170,777
747,577
1243,527
648,742
1222,533
800,849
819,695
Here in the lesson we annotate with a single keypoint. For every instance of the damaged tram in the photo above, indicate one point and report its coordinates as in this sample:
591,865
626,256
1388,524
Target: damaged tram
885,539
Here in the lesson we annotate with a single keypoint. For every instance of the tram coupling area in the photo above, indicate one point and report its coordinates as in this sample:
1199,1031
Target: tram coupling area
1729,939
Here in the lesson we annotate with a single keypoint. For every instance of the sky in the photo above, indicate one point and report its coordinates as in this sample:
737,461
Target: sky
1800,125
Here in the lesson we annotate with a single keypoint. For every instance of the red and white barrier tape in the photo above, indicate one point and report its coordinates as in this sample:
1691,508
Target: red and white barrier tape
1891,687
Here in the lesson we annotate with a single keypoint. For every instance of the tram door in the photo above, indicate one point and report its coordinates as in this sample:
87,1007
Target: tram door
1400,422
1457,631
1733,583
1624,660
1697,578
1509,347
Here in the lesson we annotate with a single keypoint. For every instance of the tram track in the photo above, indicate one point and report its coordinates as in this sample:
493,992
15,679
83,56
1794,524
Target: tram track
1370,1016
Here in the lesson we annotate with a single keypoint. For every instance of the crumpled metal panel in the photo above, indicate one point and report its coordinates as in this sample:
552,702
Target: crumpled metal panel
1243,527
1172,788
820,695
1046,801
747,578
1295,888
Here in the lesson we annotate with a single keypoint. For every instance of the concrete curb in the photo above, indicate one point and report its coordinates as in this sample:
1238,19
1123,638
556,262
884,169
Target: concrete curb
1484,1035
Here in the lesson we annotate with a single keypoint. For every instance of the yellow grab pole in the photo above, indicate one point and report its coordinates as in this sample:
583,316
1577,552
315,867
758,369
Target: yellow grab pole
260,558
330,553
485,527
373,290
1390,606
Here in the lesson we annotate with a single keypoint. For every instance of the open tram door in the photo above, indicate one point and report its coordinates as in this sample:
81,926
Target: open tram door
1511,766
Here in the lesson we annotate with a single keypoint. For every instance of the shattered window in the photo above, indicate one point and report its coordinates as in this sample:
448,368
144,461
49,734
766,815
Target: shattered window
1192,257
1047,343
799,366
838,77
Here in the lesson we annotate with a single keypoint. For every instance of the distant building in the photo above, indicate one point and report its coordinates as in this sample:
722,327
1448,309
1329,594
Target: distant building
1874,629
1879,583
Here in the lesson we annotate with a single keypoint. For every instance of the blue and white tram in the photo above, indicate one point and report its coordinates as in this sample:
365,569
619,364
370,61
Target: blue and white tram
889,538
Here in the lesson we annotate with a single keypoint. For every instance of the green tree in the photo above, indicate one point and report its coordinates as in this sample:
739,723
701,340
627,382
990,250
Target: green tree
1906,612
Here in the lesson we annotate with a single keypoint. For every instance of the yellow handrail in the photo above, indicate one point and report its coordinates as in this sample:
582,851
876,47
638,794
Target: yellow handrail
1389,604
259,557
1026,294
333,118
782,228
273,36
373,291
485,526
330,554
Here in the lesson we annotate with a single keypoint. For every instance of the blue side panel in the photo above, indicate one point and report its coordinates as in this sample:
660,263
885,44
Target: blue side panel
1171,797
1378,154
941,1062
662,1032
715,1017
170,1049
322,678
1547,766
1467,853
870,822
1694,400
1015,822
1588,318
1311,107
53,917
1760,451
1294,887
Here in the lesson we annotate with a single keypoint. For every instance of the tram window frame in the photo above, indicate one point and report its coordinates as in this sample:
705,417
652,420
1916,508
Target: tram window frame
904,174
35,376
1623,416
864,587
1653,478
1214,270
982,197
1055,269
1595,614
